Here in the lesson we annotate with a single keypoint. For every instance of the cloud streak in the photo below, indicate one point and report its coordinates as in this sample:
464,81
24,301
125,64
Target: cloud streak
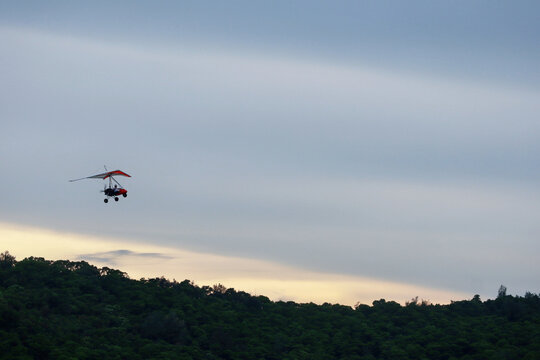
113,257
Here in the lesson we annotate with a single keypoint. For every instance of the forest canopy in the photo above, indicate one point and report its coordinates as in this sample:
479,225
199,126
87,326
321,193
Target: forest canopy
74,310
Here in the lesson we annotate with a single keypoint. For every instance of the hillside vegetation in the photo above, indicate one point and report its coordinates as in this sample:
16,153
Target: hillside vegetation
73,310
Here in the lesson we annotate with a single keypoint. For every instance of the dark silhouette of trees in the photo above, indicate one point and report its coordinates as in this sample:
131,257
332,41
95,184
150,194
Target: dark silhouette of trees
502,292
6,260
67,310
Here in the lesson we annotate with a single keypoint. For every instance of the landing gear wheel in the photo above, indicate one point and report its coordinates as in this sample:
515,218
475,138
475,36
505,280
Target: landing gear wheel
105,200
124,195
115,199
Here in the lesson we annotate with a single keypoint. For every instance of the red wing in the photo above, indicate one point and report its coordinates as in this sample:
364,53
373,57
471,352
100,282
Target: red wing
105,175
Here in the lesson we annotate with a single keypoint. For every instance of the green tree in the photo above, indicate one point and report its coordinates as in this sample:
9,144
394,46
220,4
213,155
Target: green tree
7,260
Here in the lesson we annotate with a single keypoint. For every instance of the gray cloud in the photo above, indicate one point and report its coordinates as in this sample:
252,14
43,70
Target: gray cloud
112,257
484,42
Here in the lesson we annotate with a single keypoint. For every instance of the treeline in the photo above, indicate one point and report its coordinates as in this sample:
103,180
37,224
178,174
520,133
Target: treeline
73,310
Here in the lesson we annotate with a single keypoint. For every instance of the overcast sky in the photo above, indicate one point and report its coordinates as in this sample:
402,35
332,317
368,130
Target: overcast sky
389,140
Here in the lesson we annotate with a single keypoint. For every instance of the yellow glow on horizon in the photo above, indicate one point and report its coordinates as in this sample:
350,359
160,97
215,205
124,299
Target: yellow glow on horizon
257,277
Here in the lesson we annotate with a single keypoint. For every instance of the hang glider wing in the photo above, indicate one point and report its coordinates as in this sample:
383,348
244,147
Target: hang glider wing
105,175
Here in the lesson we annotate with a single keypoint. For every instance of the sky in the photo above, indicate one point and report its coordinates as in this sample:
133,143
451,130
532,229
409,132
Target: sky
387,147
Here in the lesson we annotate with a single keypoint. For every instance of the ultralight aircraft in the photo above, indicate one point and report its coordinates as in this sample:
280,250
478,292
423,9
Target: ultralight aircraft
110,191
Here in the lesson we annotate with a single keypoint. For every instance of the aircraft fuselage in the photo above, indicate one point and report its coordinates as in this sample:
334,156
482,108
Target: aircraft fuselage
115,192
